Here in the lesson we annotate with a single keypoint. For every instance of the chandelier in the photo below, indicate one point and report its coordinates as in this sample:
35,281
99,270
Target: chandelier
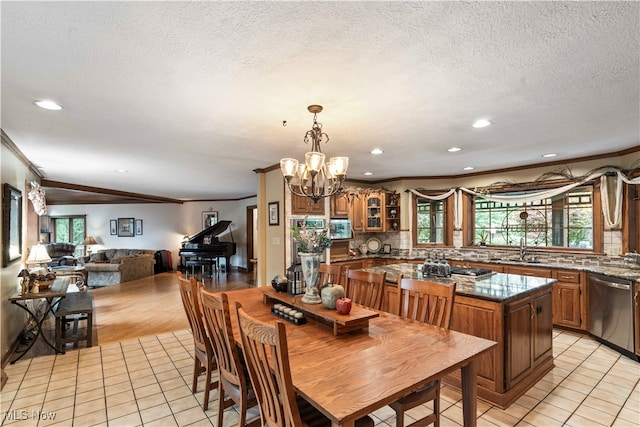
314,178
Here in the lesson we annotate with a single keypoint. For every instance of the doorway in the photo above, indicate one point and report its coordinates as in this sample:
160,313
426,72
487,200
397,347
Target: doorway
252,235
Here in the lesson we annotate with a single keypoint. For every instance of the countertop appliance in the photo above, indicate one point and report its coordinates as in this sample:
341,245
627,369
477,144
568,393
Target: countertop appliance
611,312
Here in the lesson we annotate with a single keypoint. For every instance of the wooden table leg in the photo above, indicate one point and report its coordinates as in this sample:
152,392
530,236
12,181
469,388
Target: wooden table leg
469,394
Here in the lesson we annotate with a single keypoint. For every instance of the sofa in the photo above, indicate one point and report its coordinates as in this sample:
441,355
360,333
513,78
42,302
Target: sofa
113,266
61,253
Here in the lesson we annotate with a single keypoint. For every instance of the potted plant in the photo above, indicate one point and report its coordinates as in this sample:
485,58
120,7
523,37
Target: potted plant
311,244
483,236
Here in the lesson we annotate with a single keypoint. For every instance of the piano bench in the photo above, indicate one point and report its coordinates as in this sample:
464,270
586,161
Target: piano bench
203,264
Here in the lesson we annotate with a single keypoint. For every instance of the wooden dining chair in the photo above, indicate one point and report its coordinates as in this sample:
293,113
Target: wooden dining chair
432,303
365,288
204,356
233,379
266,350
331,273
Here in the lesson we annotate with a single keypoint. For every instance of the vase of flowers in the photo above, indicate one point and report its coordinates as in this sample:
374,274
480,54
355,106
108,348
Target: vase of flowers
311,244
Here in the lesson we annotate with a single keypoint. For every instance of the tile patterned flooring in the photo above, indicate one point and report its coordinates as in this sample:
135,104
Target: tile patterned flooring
146,382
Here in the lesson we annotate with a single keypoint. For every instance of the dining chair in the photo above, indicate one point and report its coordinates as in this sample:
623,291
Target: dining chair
204,356
365,288
432,303
233,379
331,273
266,350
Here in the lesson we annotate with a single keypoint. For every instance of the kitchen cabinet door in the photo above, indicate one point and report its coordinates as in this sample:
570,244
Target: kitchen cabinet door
636,311
374,212
339,206
569,306
357,214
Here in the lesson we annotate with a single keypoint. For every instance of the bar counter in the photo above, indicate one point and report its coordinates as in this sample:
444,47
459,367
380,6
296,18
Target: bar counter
498,287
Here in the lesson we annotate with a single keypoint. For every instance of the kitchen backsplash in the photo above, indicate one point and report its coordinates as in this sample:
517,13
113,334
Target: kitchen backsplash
401,246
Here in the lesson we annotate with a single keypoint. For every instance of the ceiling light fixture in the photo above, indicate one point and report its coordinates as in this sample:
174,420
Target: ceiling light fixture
549,155
468,168
368,173
482,123
314,178
122,170
376,151
454,149
48,105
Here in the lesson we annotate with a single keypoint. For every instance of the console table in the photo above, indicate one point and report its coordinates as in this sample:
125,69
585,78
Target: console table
52,297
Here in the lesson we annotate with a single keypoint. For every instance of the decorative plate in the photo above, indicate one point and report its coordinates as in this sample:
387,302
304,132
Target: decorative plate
374,245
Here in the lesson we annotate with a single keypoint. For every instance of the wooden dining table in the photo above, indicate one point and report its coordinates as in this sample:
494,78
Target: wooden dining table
350,375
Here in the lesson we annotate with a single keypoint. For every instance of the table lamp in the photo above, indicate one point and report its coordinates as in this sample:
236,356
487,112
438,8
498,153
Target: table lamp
90,240
38,255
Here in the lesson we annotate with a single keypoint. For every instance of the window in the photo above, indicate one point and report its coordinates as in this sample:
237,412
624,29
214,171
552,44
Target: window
430,222
562,221
69,229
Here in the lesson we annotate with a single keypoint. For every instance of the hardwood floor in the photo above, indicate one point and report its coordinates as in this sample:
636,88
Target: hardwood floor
148,306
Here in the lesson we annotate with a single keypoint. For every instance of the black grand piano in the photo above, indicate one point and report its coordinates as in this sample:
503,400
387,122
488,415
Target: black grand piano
205,246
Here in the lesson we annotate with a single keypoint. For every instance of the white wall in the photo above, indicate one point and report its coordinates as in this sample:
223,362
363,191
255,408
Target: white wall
12,317
164,224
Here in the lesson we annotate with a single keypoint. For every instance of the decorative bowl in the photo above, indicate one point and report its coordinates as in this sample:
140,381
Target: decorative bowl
280,283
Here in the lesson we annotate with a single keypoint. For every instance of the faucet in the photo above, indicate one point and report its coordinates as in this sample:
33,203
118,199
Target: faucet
523,250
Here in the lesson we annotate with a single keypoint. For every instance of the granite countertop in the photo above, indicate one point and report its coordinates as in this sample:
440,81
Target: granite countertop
620,272
498,287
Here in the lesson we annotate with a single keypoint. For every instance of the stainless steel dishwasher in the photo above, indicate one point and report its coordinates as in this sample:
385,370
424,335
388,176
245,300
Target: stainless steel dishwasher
611,312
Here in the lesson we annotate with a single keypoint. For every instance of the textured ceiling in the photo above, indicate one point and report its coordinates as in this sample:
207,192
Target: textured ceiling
189,97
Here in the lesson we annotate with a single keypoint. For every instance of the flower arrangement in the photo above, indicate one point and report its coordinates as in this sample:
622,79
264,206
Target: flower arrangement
311,240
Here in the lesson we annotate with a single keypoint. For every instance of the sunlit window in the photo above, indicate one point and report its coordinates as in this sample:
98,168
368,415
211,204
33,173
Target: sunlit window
562,221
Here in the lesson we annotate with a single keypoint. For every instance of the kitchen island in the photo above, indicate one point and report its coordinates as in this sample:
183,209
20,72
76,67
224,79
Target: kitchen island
513,310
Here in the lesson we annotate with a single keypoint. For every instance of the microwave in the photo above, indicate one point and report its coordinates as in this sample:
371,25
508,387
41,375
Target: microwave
340,229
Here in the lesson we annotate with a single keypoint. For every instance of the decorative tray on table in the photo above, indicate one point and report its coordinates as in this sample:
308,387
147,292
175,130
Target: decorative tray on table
358,318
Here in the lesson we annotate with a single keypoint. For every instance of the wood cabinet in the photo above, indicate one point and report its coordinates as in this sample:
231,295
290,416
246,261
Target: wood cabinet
356,214
636,314
569,305
339,206
528,336
374,212
305,206
392,212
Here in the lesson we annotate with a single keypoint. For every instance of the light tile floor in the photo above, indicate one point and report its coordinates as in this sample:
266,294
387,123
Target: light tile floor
147,382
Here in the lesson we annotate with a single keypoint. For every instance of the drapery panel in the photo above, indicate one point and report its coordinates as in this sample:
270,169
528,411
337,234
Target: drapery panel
612,218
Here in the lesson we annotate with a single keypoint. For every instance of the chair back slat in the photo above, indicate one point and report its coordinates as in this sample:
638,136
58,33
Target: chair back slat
366,288
330,273
217,319
265,349
191,303
427,302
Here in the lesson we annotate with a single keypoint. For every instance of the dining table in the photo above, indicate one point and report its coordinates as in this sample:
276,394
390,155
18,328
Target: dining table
349,375
38,314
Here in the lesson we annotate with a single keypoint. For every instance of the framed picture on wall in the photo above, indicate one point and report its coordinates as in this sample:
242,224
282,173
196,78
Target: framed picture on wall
209,218
274,213
138,227
125,227
11,224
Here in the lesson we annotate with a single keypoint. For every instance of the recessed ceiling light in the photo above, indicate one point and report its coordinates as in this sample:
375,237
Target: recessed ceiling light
48,105
368,173
376,151
454,149
122,170
482,123
549,155
468,168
